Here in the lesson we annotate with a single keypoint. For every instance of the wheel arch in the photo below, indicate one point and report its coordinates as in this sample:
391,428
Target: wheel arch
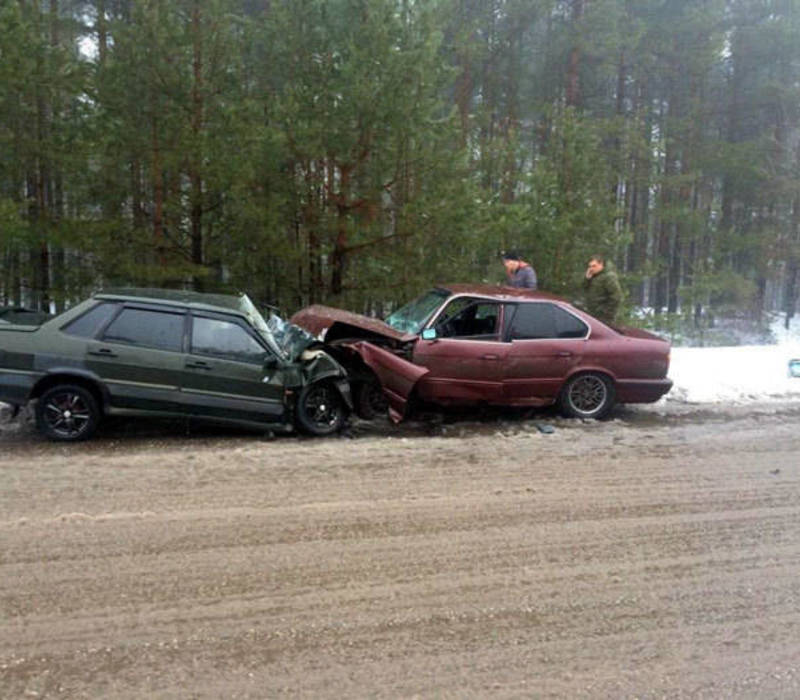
83,379
588,369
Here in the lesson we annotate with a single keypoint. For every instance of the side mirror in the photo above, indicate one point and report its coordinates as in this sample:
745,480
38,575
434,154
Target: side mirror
429,334
270,362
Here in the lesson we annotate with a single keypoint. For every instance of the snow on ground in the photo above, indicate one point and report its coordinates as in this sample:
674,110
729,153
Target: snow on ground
739,374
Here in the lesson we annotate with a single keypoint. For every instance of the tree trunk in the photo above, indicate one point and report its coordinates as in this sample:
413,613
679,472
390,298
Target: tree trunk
195,176
102,32
573,62
340,243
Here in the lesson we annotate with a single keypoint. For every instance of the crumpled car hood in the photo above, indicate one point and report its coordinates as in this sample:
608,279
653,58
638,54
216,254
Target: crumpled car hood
317,319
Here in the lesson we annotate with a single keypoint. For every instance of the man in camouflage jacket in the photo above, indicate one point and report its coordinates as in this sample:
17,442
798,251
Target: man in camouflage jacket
602,292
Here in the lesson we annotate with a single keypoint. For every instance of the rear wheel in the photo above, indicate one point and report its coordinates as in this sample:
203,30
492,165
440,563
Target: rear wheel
67,413
587,395
320,409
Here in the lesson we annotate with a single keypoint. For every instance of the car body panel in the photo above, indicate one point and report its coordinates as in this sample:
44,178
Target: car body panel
216,387
536,369
461,371
397,376
138,378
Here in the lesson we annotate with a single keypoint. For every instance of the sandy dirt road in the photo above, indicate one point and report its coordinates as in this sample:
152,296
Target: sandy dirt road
647,556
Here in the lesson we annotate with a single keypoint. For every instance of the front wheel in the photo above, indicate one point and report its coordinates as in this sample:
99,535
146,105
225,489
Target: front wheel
370,400
587,396
67,413
320,409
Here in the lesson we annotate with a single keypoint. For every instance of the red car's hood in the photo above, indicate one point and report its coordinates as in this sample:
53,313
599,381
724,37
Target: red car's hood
317,319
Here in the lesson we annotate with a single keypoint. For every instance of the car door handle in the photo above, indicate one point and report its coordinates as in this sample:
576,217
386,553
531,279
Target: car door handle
198,365
102,352
563,353
490,356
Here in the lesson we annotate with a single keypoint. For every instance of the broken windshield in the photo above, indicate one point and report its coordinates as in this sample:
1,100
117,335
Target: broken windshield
412,317
291,339
276,332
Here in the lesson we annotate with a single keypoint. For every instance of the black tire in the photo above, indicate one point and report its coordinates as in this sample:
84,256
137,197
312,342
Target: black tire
588,395
370,400
320,409
67,413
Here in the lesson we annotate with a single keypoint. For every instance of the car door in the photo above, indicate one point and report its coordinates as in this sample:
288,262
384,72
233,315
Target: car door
546,341
139,356
465,361
229,373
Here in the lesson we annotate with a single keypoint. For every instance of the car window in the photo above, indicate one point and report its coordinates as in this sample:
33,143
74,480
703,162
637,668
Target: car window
532,321
88,324
154,329
568,325
540,320
225,339
468,318
453,309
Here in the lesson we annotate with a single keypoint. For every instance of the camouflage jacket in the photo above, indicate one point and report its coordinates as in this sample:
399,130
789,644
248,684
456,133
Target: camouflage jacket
603,295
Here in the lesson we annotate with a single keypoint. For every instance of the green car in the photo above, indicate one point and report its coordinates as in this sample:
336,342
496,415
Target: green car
156,352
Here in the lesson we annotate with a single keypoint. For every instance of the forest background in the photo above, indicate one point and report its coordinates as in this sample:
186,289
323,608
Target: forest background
356,151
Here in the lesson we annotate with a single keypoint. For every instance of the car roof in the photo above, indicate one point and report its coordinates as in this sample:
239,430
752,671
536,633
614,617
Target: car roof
228,302
497,291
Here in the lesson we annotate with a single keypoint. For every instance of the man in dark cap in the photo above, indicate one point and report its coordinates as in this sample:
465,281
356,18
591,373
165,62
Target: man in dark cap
519,273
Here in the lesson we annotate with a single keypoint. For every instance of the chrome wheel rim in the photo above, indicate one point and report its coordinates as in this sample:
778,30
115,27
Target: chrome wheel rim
588,394
67,414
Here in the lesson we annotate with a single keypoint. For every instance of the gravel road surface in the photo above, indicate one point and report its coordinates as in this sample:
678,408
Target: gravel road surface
656,554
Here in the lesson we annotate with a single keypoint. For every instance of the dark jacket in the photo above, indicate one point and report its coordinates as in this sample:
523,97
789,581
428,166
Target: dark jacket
524,277
603,295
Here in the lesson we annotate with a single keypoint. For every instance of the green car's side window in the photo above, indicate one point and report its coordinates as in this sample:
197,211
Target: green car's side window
153,329
226,340
87,325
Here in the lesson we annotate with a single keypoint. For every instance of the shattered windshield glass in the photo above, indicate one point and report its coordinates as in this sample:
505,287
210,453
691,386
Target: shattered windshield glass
291,339
414,315
253,314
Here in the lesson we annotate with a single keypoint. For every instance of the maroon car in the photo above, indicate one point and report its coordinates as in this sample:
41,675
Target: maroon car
467,344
